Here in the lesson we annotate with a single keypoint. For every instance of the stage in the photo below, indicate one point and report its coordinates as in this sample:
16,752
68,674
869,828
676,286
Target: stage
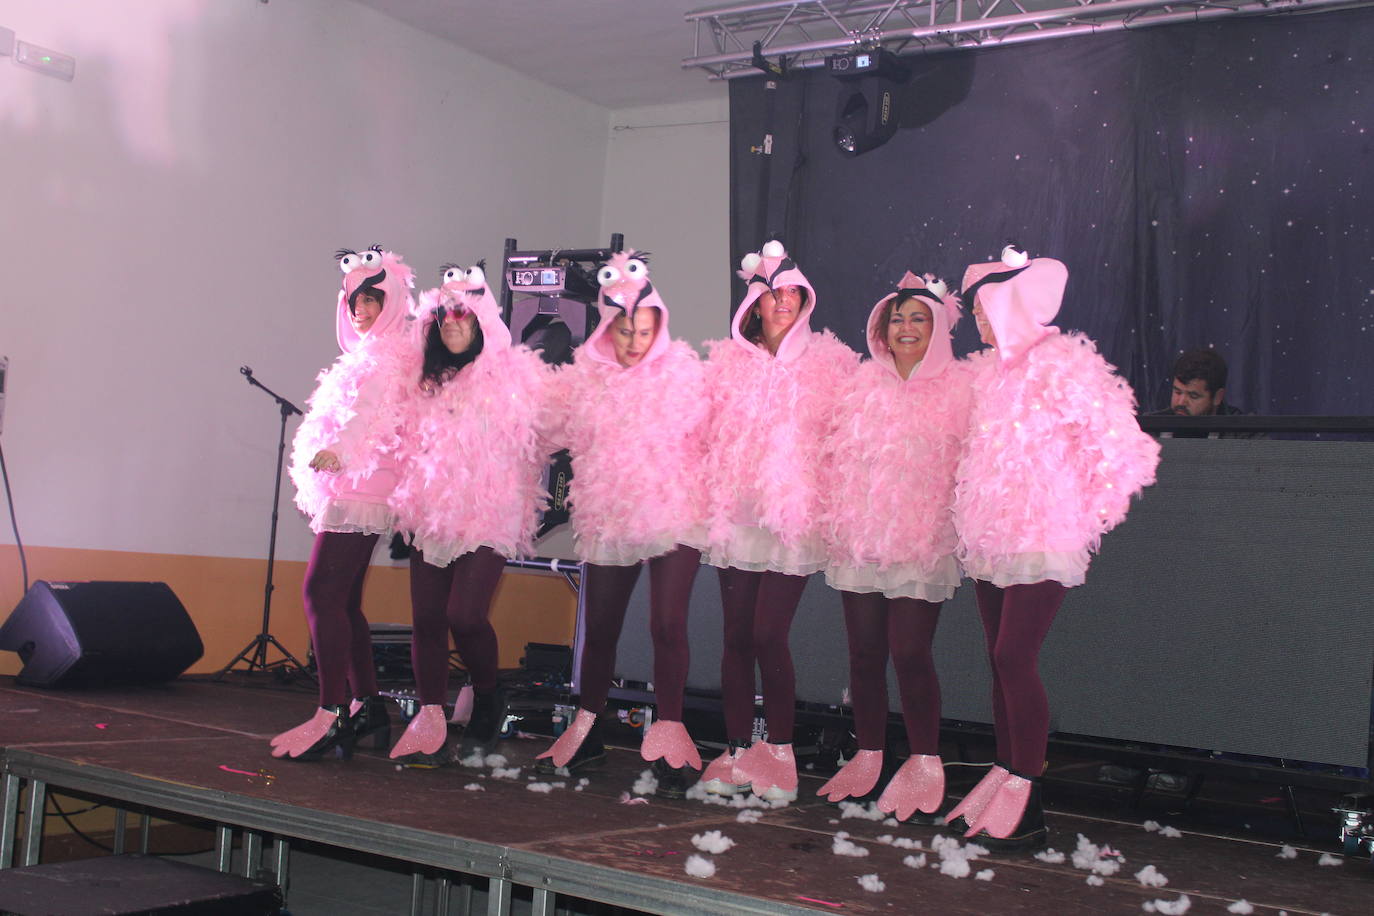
199,749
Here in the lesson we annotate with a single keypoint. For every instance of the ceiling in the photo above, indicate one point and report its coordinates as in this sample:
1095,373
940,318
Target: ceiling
616,53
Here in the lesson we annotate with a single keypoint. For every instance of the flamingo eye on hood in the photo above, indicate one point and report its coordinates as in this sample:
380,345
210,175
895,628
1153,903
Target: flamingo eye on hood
453,274
635,269
608,274
370,258
348,261
476,276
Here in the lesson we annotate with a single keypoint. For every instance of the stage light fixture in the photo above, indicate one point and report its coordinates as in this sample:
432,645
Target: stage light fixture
865,109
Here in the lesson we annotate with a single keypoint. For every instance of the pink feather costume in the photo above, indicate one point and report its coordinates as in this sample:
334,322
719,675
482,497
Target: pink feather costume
890,469
635,438
770,417
355,409
1054,452
470,458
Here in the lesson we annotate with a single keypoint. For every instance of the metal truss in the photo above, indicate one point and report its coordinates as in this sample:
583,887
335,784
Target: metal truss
806,31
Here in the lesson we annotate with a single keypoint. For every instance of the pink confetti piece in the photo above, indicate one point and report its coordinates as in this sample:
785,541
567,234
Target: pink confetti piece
829,903
240,772
102,725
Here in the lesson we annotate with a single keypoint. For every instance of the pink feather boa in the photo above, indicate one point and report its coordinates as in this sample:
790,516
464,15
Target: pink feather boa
769,421
635,438
889,469
355,413
470,458
1053,457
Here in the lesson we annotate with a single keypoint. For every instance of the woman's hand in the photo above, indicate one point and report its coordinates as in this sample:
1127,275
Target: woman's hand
325,460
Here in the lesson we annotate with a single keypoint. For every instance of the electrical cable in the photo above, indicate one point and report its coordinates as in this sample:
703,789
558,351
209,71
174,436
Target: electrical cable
14,523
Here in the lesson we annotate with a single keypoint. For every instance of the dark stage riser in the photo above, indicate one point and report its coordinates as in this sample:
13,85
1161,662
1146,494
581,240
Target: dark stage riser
168,749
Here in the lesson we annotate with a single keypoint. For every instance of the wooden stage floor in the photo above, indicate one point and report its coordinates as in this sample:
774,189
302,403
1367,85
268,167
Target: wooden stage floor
200,749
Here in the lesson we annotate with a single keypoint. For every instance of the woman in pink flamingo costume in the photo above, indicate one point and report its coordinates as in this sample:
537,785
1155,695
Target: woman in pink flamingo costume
343,465
468,493
900,426
1052,459
631,408
771,385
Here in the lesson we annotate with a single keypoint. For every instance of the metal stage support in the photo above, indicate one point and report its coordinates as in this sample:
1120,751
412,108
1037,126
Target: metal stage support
807,31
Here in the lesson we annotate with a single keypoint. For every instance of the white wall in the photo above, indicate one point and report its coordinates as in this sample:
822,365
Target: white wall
171,214
667,188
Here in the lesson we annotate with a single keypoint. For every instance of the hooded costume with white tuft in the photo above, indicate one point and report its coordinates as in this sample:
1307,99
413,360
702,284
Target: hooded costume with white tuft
354,411
471,460
770,417
1053,456
1054,452
634,433
890,470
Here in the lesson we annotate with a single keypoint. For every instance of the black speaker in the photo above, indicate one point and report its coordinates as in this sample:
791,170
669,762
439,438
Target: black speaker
71,634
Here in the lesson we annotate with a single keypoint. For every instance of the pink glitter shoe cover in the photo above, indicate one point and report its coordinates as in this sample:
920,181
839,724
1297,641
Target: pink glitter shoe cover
722,769
1001,815
919,785
567,744
462,707
973,803
765,766
424,735
298,740
670,742
857,777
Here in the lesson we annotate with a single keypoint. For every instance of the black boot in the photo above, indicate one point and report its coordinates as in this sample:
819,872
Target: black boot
1030,832
672,781
590,753
373,720
336,742
484,728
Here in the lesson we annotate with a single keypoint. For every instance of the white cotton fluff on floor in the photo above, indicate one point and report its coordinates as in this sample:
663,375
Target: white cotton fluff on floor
712,841
915,861
1051,856
1096,859
1328,859
474,761
956,859
504,773
868,812
899,842
872,883
1171,832
891,822
475,787
1150,826
841,846
1287,852
1095,880
539,787
1149,876
495,760
700,867
562,771
749,816
646,784
1241,908
1168,907
984,875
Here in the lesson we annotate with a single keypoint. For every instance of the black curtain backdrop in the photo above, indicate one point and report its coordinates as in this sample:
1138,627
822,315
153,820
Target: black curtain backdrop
1207,184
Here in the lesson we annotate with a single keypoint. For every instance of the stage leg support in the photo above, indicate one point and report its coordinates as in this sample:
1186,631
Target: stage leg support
542,903
224,848
281,865
498,897
33,823
9,816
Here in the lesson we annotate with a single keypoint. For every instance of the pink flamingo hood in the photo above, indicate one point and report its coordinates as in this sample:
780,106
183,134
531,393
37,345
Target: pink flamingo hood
944,309
372,268
769,269
1020,297
625,288
465,290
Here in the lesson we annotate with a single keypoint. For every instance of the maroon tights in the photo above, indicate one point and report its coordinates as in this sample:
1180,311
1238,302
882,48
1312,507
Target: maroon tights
607,590
759,607
1015,622
906,627
455,599
334,613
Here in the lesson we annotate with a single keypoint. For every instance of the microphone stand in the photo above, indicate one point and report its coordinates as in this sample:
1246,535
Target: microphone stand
254,655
